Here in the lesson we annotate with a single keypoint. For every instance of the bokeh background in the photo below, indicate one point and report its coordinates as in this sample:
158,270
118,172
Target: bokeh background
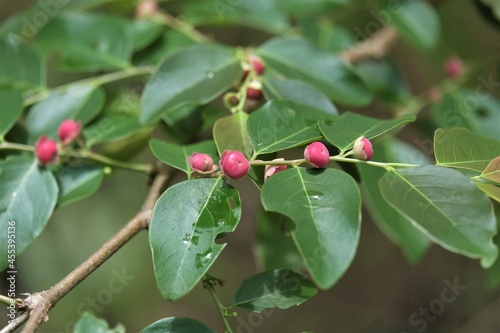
378,294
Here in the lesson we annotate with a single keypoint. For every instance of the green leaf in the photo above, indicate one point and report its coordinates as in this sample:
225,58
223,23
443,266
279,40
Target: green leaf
299,92
185,77
459,148
230,133
328,36
78,182
492,171
73,36
453,110
12,108
81,103
393,224
486,110
186,220
169,41
22,67
493,273
300,59
88,323
280,125
343,131
145,32
29,195
274,248
491,190
176,155
327,222
417,22
274,289
310,6
384,78
177,325
446,206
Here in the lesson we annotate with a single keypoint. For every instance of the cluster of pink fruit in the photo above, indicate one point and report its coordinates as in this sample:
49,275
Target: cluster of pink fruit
47,150
254,89
235,165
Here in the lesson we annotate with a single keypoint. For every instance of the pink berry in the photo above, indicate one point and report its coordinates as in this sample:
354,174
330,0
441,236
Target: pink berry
272,169
234,164
46,150
454,67
254,90
256,63
146,8
363,149
68,131
317,154
200,162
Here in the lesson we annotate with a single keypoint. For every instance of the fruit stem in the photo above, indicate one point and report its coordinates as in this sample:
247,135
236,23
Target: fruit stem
208,283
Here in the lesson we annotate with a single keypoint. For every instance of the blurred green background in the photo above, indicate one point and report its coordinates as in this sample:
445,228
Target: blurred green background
378,294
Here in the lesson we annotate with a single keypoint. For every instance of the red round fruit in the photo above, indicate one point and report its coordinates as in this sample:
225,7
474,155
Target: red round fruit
46,150
68,131
200,162
363,149
234,164
317,154
454,67
254,90
257,64
272,169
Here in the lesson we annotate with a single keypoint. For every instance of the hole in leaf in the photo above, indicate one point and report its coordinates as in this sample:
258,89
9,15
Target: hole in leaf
219,239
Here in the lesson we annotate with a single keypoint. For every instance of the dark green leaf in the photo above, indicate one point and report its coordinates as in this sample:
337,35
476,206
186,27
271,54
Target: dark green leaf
344,131
454,111
300,59
12,108
81,103
446,206
274,289
274,247
176,155
279,125
299,92
486,108
77,183
177,325
328,36
22,68
417,21
394,225
73,36
459,148
169,41
185,77
310,6
88,323
230,133
145,32
29,195
186,220
327,222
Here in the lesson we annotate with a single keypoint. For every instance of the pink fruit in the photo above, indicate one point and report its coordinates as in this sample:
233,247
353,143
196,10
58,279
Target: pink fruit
454,67
254,90
317,154
200,162
256,63
234,164
68,131
272,169
363,149
46,150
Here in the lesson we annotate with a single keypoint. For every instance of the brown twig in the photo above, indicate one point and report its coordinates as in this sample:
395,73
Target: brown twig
375,47
39,304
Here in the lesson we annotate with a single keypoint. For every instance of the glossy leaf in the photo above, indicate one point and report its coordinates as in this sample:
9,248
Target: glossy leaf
169,42
186,220
230,133
274,289
274,247
28,197
280,125
418,22
459,148
492,171
176,155
446,206
327,222
300,59
81,103
490,190
453,111
394,225
145,32
72,35
25,69
343,131
299,92
177,325
12,108
78,182
185,77
88,323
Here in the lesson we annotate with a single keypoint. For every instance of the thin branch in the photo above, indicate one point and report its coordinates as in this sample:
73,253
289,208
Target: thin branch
14,324
40,304
375,47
